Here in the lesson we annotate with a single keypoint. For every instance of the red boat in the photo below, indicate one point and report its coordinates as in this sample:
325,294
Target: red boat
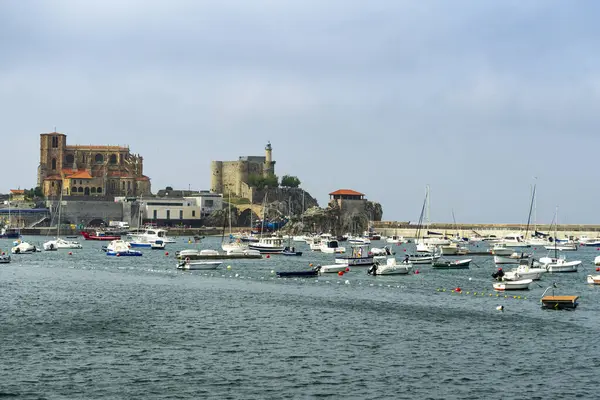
99,236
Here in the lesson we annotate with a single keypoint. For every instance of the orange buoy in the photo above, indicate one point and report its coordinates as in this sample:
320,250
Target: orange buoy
597,269
347,269
310,265
341,273
458,290
268,256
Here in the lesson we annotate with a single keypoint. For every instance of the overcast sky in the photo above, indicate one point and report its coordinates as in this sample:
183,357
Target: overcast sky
474,98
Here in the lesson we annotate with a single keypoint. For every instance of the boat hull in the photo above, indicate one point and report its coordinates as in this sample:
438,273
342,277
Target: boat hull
512,285
125,253
298,274
198,265
459,264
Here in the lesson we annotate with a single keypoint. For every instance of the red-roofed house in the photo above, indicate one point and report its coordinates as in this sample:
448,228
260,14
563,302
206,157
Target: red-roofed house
17,194
348,200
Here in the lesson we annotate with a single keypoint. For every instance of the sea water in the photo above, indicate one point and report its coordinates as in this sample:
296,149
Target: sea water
88,326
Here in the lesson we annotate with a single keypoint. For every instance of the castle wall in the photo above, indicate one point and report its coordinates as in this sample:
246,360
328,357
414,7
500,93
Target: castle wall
216,179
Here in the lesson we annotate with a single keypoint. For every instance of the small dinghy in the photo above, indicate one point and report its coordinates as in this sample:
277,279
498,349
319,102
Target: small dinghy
291,252
333,268
299,274
4,258
523,284
391,267
593,279
452,264
195,265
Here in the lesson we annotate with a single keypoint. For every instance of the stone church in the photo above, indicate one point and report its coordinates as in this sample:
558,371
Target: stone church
86,170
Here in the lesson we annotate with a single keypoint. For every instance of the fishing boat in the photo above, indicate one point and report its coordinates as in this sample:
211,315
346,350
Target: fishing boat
500,249
451,264
300,274
331,246
453,249
99,235
522,284
360,256
391,267
195,265
268,245
558,264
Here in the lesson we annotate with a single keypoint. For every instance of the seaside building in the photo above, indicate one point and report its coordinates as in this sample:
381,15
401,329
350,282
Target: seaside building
17,195
348,200
231,177
89,170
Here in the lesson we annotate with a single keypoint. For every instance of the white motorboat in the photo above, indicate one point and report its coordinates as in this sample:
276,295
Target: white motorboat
191,253
301,238
241,251
385,251
514,240
391,267
333,268
268,245
522,284
436,241
358,240
331,246
4,258
593,279
396,240
23,248
422,258
453,249
60,243
314,243
234,245
196,265
423,247
158,245
560,264
150,235
526,270
500,249
562,247
360,256
514,258
597,260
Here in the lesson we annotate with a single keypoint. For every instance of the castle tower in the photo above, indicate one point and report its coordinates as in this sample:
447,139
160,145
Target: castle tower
216,179
52,146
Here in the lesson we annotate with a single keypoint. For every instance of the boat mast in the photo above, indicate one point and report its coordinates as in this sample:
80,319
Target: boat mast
556,233
530,209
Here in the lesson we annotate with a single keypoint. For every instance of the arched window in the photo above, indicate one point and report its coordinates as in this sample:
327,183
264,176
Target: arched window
74,189
87,191
99,190
99,158
54,164
128,185
67,189
123,185
93,190
69,159
80,189
55,141
113,159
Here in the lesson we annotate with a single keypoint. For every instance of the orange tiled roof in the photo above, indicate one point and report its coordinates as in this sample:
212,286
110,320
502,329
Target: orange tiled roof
346,192
54,177
142,178
80,175
17,191
68,171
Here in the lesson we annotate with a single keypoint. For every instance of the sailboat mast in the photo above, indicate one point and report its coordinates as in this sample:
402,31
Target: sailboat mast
556,233
530,209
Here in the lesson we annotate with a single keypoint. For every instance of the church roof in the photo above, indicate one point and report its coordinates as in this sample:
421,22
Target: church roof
54,177
80,175
142,178
17,191
346,192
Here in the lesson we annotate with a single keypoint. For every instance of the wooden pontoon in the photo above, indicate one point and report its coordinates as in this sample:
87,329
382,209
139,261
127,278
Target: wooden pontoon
559,302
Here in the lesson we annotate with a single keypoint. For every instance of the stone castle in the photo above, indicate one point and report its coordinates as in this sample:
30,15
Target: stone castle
84,170
231,177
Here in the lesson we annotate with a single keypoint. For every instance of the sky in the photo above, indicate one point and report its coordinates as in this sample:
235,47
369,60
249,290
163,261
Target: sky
480,100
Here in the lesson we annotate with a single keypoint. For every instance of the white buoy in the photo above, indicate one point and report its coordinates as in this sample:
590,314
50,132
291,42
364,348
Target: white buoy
470,278
347,282
500,308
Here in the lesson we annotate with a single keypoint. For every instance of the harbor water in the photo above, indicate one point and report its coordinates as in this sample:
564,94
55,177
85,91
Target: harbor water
88,326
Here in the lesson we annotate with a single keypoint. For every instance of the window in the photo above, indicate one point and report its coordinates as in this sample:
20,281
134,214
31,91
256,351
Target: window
52,183
193,213
99,158
54,142
168,214
80,189
80,182
113,159
54,164
69,159
209,203
83,158
180,214
93,190
121,158
154,214
99,190
128,186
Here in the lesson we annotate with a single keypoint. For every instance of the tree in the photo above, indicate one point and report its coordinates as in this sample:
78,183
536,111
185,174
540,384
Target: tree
261,182
271,181
290,181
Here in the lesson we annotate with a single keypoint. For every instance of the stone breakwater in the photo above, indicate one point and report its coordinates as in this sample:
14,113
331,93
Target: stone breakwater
406,229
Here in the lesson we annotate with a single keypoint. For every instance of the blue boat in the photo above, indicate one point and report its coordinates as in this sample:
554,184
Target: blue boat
124,253
141,244
299,274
